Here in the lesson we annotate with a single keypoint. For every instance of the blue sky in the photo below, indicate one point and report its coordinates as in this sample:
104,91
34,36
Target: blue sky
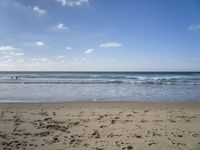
100,35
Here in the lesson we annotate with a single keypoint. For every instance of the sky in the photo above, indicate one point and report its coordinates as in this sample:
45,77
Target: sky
99,35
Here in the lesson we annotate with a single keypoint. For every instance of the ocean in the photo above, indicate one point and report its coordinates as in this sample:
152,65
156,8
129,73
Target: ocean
99,86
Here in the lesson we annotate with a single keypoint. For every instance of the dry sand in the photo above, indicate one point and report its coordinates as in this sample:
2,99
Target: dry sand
99,126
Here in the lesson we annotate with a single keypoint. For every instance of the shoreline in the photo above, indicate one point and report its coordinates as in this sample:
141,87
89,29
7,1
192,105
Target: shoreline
100,125
100,101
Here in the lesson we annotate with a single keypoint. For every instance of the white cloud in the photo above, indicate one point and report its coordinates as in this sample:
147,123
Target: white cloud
40,59
77,60
68,48
194,27
73,2
39,43
16,54
61,57
110,45
19,54
61,26
89,51
10,57
12,54
8,48
39,10
80,60
14,60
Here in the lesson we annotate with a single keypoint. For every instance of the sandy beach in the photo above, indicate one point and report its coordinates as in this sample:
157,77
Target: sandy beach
100,126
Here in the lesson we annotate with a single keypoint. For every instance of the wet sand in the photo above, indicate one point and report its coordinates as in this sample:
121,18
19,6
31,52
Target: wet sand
100,126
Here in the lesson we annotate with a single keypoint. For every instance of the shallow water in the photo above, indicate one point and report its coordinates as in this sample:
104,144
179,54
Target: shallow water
99,86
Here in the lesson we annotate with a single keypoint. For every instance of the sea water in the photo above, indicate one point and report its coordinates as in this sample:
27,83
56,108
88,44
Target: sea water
99,86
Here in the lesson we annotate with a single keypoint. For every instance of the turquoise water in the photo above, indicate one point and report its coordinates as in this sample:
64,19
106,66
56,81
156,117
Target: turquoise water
99,86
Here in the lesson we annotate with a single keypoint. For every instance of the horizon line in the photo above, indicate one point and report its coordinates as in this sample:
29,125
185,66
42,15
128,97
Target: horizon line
99,71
